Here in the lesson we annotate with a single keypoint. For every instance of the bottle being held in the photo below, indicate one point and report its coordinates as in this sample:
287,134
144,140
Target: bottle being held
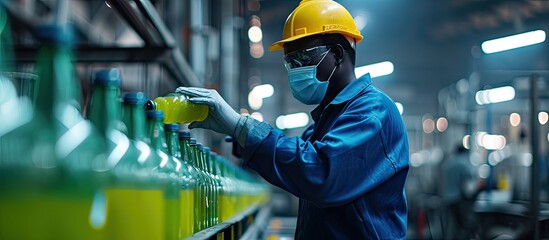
178,109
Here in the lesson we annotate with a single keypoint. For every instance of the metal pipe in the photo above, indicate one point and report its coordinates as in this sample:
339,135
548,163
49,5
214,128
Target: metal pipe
127,12
534,141
150,13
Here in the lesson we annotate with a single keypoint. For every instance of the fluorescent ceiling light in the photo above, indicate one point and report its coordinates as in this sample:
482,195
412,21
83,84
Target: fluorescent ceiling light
263,91
495,95
514,41
376,69
295,120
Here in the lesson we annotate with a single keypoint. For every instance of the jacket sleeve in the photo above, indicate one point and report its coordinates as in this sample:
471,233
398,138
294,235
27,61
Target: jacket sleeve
347,162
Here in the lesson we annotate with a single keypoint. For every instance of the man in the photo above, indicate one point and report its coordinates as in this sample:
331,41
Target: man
350,166
458,192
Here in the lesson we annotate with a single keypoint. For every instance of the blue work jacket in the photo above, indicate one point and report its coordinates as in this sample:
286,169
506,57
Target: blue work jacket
348,169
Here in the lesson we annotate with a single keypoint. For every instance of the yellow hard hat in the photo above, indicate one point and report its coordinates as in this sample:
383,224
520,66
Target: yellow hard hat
317,17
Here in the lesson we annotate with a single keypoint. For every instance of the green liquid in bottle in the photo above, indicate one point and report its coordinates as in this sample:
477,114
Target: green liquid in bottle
178,109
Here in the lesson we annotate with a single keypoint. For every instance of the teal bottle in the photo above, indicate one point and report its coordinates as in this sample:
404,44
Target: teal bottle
203,187
47,174
212,169
170,166
187,190
188,156
139,192
125,195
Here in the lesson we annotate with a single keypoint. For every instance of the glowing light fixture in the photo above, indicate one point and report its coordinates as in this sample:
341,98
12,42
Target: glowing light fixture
255,34
491,142
360,21
428,125
495,95
514,119
254,102
375,70
257,116
400,107
467,141
543,117
514,41
442,124
263,91
294,120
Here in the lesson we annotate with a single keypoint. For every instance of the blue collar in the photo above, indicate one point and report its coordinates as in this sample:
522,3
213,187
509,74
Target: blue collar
352,89
349,92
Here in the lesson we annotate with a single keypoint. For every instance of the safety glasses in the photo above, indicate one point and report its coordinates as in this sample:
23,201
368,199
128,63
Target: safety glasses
304,57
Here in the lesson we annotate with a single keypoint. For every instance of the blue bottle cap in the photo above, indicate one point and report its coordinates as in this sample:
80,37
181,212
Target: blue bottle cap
192,142
135,98
206,149
54,33
171,127
199,146
108,77
155,114
184,135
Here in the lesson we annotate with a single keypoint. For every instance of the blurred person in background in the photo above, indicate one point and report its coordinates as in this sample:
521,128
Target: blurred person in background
349,167
458,191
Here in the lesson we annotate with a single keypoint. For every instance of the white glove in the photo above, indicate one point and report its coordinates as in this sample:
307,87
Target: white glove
221,117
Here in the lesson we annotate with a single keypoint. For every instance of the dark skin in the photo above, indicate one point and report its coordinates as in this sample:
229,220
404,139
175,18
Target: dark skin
343,74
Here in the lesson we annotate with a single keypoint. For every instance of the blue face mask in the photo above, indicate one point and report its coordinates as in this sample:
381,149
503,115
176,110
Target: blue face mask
305,86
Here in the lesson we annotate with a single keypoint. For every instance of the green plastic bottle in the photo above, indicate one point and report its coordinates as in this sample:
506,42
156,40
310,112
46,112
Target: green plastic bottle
211,189
213,170
142,191
172,167
187,190
47,179
129,205
204,187
188,157
178,109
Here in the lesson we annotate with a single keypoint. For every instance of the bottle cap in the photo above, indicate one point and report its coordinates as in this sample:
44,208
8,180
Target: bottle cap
108,77
174,127
184,135
206,149
53,33
135,98
192,142
199,146
155,114
150,105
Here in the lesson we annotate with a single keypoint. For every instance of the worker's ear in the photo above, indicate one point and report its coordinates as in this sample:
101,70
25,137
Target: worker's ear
338,53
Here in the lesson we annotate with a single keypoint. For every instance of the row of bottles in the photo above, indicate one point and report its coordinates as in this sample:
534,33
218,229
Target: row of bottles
119,174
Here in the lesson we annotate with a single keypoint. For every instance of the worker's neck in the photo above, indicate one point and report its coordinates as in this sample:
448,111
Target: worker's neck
337,84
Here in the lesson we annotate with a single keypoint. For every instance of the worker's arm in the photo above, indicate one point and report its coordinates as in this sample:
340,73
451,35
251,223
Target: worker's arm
347,162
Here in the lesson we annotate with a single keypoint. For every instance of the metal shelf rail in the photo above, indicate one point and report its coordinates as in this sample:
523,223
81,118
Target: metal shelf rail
247,224
160,46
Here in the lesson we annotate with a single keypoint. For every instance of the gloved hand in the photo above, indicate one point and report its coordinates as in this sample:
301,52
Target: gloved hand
221,117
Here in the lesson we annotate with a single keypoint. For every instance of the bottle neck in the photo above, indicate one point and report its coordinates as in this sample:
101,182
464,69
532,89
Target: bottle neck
105,108
6,50
183,148
196,157
56,83
134,118
173,144
157,135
